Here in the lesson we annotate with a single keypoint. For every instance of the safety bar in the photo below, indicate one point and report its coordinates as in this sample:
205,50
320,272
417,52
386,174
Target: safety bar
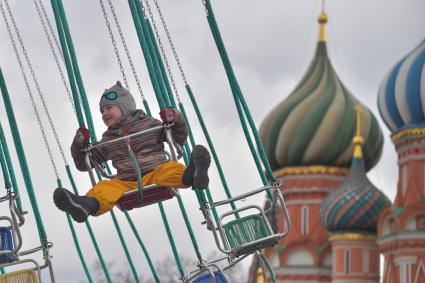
245,195
14,225
100,144
11,197
48,246
175,148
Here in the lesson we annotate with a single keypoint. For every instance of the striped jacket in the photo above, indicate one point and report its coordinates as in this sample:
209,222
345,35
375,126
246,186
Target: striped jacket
148,148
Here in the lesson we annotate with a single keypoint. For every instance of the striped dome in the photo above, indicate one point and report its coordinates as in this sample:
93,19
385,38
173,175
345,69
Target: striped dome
316,123
356,205
401,98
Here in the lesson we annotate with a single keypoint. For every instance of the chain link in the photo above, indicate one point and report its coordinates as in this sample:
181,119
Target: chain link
111,35
161,47
170,41
127,52
55,39
55,56
25,77
204,2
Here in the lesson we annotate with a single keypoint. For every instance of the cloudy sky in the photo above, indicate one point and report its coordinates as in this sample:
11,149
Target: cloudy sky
270,46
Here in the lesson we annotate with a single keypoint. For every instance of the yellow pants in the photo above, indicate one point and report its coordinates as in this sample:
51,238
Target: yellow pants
108,192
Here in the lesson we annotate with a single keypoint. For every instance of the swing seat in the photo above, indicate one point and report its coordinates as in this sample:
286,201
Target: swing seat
26,275
206,278
151,194
249,234
6,244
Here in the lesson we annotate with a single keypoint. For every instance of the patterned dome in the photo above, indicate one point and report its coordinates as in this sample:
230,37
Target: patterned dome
357,204
316,123
401,98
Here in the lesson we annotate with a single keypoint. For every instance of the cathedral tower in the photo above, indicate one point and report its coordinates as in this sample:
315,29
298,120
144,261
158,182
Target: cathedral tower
308,141
401,229
351,214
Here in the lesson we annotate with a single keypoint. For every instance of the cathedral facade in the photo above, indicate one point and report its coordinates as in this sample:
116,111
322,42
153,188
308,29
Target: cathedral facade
321,141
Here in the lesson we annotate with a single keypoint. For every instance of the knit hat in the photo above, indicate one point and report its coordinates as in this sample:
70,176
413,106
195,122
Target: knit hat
119,96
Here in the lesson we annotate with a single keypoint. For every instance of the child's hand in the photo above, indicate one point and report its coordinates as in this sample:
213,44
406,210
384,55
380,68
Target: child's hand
168,115
82,135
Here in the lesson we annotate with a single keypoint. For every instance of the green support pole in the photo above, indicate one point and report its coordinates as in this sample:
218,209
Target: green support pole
68,64
239,100
9,165
88,226
76,69
22,160
146,54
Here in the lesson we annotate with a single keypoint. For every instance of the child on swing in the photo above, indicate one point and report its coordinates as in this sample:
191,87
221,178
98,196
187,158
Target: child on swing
120,115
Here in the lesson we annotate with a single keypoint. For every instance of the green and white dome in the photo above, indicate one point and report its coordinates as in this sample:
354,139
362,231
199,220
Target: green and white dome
316,123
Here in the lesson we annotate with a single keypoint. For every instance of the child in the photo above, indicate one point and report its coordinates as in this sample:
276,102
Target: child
120,115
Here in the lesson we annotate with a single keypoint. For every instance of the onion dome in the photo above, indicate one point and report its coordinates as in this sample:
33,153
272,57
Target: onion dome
357,203
401,98
315,124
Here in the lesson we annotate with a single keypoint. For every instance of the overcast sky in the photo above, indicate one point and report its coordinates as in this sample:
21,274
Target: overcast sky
270,44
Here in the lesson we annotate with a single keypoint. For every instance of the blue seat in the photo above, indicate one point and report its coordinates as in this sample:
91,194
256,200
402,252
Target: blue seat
6,244
206,278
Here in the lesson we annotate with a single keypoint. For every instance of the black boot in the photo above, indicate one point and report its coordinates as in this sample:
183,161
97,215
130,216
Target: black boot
79,207
196,173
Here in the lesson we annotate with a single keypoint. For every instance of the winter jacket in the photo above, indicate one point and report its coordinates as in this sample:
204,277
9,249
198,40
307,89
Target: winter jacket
148,148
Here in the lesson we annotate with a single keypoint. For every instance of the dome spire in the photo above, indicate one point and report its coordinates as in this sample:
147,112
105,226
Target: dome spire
358,139
322,19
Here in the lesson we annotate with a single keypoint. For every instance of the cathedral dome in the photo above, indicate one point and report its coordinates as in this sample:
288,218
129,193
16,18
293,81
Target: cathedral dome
401,98
315,124
357,203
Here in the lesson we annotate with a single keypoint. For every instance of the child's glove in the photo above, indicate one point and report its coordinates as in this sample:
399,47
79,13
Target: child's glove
168,115
82,136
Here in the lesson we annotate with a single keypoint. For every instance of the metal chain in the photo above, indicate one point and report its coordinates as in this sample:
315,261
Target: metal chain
124,44
55,39
111,35
40,93
55,56
25,77
204,2
49,24
170,41
161,47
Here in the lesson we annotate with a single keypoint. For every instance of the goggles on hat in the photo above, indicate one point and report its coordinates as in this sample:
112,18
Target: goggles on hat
110,95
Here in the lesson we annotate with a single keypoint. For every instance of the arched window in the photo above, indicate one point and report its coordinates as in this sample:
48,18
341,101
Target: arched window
275,261
404,179
327,261
299,258
347,261
304,220
411,224
390,227
420,221
366,261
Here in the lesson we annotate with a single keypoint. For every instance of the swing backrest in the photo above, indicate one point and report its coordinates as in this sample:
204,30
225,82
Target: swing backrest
246,229
151,194
21,276
251,232
206,278
6,244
